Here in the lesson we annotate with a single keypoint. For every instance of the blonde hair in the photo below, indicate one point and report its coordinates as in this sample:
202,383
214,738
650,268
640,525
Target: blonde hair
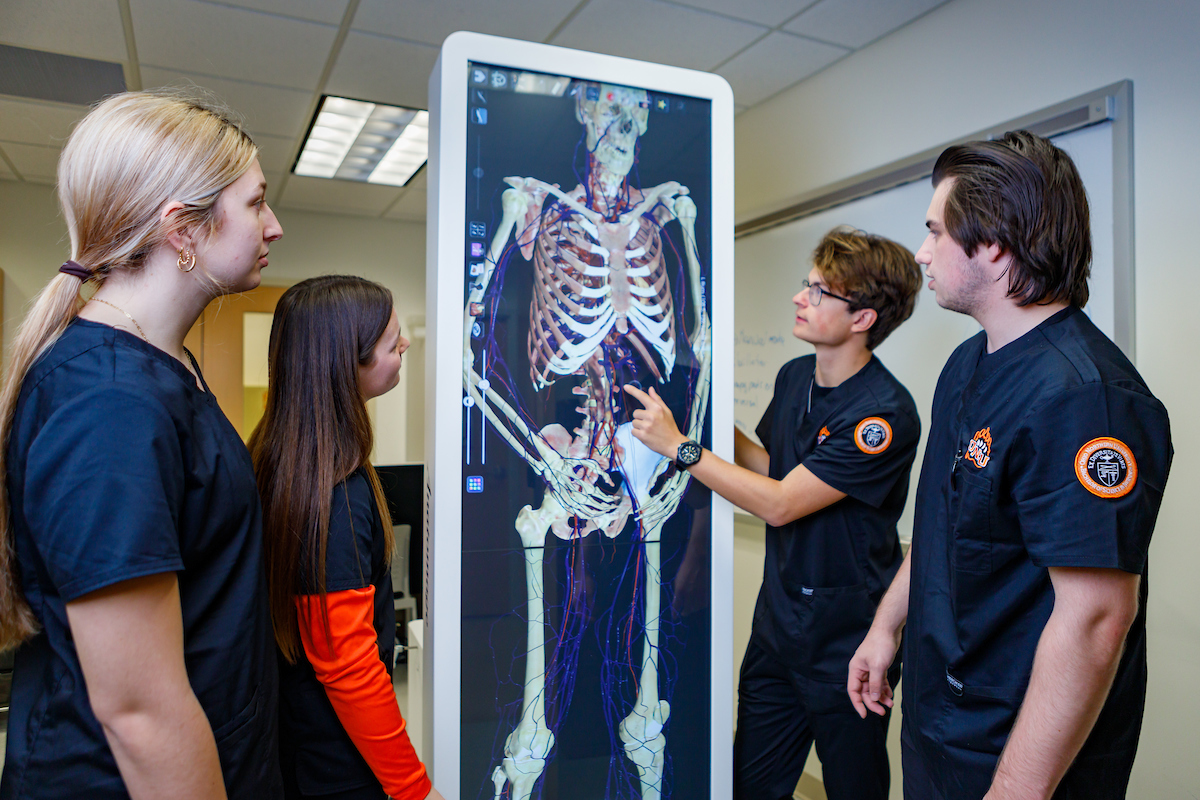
130,156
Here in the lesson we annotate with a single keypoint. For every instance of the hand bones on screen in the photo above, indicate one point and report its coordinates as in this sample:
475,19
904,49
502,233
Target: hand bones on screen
600,285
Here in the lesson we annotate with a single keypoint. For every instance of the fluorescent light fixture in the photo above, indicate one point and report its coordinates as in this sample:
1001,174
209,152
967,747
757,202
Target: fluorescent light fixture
354,140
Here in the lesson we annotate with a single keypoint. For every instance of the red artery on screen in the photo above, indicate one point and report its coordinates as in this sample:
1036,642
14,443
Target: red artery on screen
347,664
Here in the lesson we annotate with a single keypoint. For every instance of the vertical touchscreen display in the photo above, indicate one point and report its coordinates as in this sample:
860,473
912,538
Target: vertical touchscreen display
586,627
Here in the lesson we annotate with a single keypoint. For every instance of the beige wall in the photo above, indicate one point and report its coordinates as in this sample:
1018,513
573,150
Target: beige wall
33,242
974,63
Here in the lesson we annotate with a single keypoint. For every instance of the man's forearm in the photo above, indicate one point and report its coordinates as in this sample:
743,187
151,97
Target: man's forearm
799,494
749,454
893,608
866,680
1073,669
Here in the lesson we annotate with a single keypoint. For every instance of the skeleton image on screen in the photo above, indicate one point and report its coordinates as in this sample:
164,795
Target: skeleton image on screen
612,298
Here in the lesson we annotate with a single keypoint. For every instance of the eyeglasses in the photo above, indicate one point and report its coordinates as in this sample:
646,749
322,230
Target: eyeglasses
816,291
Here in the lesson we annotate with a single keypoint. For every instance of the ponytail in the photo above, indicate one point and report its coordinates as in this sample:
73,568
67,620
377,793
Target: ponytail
125,160
53,310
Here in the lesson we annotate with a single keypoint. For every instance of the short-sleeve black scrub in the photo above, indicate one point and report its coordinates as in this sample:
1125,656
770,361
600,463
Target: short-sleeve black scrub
1049,452
823,579
119,467
318,756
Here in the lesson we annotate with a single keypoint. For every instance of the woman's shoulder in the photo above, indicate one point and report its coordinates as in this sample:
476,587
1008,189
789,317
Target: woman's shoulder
354,486
352,507
93,358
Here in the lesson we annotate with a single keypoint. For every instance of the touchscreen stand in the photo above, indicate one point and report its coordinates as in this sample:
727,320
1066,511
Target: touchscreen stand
585,569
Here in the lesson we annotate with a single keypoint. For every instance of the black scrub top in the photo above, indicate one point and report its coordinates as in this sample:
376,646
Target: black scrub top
120,467
318,755
826,573
1049,452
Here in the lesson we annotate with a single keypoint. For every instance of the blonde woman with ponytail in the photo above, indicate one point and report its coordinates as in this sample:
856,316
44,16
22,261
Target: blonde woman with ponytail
131,574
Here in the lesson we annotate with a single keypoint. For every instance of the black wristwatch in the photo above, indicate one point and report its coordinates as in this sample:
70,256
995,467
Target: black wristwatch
689,453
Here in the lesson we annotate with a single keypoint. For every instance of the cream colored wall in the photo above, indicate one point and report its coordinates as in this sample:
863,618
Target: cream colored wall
971,64
33,242
391,253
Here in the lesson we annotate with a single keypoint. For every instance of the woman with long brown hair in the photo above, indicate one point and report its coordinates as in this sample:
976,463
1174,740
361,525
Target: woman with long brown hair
131,572
335,343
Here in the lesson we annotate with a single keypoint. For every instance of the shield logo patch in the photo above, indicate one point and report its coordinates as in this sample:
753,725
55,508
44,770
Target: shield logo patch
873,435
1106,467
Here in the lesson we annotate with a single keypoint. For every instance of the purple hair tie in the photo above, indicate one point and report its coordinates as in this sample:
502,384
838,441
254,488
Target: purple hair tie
78,270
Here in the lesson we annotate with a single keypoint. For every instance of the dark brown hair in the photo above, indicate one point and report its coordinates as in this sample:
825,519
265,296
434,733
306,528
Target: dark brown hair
314,433
1025,195
874,273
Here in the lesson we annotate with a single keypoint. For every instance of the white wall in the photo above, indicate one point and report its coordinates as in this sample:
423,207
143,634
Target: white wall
33,243
974,63
391,253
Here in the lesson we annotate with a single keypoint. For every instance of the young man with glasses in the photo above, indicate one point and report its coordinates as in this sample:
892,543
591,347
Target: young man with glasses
840,437
1025,589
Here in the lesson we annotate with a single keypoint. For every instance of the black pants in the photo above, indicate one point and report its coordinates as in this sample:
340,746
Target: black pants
780,715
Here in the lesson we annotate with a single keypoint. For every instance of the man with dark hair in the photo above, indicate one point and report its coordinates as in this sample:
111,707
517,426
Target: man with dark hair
1025,589
840,437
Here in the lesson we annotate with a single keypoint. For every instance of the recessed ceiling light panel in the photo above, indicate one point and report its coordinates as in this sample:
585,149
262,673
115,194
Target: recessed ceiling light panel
358,141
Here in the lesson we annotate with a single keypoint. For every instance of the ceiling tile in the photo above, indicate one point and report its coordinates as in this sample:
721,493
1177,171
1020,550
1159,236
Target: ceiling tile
337,197
274,152
420,180
31,122
86,28
775,63
5,173
764,12
327,11
410,206
210,39
383,70
431,21
266,109
649,30
34,162
854,23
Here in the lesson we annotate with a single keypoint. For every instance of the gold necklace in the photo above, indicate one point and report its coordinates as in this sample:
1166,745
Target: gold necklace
141,332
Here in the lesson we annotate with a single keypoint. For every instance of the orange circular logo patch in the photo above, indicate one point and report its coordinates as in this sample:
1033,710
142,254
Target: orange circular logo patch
1106,467
873,435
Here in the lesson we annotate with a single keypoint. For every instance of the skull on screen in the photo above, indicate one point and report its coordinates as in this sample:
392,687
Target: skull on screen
614,116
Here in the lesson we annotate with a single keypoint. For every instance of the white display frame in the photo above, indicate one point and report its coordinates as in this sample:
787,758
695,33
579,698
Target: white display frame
446,222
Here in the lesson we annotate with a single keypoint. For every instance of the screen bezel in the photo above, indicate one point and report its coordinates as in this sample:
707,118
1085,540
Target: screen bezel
445,287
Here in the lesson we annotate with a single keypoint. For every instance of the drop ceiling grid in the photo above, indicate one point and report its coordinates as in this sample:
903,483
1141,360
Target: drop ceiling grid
775,63
264,58
85,28
272,110
37,163
409,208
34,122
383,70
771,13
201,37
337,196
854,23
328,11
649,30
431,21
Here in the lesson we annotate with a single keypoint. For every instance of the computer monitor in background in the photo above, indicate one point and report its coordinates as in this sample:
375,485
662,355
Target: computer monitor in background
402,486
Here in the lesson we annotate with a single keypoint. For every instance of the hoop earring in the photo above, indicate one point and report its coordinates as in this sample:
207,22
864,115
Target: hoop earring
189,259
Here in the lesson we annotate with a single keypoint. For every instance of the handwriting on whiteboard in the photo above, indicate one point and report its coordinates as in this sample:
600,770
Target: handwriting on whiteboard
757,361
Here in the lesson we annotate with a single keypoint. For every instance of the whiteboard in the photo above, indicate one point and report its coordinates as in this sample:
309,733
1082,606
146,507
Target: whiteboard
771,264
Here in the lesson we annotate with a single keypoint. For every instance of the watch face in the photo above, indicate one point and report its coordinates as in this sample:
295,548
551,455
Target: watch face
689,453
